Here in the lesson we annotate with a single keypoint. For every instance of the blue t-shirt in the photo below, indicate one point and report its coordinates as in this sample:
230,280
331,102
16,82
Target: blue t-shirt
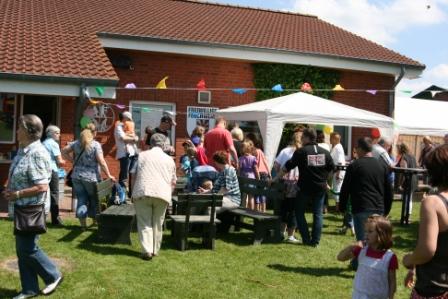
53,149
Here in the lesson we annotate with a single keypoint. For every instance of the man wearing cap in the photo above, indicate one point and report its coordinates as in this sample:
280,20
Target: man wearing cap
126,159
155,179
166,123
219,139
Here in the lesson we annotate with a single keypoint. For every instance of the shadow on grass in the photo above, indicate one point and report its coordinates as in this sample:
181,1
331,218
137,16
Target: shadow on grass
318,272
7,293
91,244
237,238
74,232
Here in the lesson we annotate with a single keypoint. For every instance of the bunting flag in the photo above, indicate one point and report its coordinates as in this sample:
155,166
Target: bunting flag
338,87
130,86
372,91
201,85
306,87
239,90
277,88
162,83
93,102
120,106
435,92
99,90
144,109
406,91
84,121
328,130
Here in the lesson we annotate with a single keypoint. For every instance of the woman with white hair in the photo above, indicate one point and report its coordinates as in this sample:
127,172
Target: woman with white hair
53,134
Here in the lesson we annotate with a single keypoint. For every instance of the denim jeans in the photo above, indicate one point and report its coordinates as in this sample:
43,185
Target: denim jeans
359,220
85,194
33,262
318,203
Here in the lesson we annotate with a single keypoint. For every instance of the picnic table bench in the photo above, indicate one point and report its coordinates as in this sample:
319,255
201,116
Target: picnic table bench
266,226
115,222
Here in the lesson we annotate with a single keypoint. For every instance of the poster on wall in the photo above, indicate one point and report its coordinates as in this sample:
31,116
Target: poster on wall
103,116
200,116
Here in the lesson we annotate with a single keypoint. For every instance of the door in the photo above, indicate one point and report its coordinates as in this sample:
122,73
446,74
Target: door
43,106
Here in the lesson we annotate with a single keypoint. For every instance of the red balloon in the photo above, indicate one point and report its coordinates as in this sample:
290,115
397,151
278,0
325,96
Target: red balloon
375,133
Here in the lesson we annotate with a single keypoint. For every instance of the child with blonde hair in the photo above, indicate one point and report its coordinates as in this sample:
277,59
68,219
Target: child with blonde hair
248,168
377,264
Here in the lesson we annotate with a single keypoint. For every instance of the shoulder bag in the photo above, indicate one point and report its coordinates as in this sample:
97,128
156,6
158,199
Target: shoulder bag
68,179
29,219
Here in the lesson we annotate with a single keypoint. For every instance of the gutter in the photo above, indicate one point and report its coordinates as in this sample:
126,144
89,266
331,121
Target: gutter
59,79
392,94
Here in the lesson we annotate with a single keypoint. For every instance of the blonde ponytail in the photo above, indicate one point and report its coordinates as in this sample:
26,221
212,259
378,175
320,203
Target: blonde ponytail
86,137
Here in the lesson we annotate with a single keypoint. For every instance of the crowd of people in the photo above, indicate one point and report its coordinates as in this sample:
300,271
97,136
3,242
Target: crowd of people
212,162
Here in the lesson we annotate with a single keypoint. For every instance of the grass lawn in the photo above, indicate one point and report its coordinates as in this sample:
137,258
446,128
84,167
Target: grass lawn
235,270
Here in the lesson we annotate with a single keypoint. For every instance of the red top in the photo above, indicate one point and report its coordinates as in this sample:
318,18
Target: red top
377,254
200,155
217,139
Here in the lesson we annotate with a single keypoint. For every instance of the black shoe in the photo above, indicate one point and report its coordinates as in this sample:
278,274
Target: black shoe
146,256
58,222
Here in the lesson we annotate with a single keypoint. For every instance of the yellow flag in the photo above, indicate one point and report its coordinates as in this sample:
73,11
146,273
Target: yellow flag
338,88
162,83
93,102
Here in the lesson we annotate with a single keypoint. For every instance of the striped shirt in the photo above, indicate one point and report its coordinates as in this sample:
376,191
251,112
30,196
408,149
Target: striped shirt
228,179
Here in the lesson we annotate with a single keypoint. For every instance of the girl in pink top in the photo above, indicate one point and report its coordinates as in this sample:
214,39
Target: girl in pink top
263,168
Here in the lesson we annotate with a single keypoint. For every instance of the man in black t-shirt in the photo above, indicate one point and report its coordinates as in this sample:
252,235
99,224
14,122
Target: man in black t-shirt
315,166
366,185
166,123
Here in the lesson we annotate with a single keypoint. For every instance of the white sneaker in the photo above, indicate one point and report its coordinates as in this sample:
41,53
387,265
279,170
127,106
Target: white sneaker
24,296
52,286
292,239
117,200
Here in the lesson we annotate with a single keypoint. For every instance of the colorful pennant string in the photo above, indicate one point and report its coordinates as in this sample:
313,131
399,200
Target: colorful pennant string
338,87
239,90
372,91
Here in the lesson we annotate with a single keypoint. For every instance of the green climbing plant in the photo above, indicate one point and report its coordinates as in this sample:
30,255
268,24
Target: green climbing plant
266,75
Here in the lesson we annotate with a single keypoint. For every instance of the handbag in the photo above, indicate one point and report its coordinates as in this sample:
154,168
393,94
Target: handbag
29,219
68,178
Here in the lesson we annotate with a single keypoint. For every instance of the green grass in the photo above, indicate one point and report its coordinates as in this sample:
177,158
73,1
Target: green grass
236,269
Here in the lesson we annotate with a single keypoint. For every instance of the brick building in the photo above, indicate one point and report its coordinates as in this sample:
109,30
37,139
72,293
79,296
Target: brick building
52,52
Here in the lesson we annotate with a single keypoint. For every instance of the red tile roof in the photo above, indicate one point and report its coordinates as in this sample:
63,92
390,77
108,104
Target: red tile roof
59,37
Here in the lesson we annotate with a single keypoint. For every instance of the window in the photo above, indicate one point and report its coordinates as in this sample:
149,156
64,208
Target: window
149,114
8,108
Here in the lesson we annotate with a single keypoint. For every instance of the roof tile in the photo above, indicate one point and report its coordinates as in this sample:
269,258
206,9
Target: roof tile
59,37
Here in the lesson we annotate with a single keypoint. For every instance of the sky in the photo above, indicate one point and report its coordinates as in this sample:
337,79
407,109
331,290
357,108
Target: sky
417,29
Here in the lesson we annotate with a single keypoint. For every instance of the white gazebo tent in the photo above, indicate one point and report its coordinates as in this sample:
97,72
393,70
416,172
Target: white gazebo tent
421,117
273,114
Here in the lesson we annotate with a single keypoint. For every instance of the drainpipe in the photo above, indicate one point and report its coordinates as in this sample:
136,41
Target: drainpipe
80,102
392,93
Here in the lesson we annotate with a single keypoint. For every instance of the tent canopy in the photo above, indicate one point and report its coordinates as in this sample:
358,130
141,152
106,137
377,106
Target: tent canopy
421,117
273,114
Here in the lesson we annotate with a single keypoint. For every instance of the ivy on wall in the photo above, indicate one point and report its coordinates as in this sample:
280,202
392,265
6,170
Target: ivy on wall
292,77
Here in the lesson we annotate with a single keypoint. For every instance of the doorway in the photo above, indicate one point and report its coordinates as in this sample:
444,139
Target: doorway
46,107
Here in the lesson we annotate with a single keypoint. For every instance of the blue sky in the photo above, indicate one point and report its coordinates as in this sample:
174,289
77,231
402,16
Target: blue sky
415,28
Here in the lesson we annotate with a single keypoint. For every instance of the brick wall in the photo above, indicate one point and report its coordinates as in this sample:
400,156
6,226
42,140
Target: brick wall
185,72
378,103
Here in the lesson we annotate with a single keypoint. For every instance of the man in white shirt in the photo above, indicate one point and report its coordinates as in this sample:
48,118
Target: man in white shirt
338,156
